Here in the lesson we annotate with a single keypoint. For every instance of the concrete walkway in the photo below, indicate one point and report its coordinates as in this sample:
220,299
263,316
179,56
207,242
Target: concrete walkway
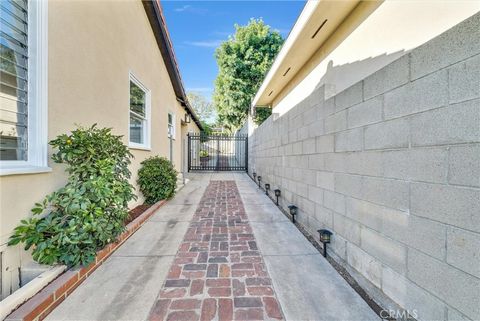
130,283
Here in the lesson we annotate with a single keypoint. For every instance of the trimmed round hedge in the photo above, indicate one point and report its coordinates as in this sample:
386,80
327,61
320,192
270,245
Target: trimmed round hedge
157,179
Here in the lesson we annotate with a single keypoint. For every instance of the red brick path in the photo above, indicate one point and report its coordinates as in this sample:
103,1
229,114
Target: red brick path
218,272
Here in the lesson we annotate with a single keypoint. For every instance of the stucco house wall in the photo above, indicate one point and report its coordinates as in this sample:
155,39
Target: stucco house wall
391,165
93,46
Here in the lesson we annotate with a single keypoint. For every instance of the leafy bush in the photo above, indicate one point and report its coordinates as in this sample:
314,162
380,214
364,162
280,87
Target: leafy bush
157,179
89,211
203,153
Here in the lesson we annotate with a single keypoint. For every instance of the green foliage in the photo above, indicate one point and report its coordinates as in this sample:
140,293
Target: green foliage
203,153
203,108
70,225
207,128
261,114
243,61
157,179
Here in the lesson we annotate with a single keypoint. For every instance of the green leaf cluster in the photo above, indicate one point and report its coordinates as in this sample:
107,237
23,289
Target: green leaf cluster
157,179
70,225
243,60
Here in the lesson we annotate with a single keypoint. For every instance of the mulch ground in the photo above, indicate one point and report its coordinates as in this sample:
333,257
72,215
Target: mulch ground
136,212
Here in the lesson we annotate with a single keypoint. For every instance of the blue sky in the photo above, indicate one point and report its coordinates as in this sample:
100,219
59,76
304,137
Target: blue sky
198,27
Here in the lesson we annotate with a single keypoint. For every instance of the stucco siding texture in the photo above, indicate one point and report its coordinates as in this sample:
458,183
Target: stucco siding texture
93,48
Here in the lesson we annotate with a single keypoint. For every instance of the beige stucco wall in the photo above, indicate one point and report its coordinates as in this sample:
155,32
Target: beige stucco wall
367,41
93,46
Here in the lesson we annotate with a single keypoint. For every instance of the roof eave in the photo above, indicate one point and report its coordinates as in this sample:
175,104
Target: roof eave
158,24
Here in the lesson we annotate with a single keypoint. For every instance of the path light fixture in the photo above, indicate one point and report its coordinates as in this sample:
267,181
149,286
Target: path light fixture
254,175
293,211
259,180
325,237
267,188
277,194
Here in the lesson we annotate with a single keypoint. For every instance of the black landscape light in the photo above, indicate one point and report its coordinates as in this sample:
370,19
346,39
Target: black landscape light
259,180
254,175
277,194
325,237
267,188
293,211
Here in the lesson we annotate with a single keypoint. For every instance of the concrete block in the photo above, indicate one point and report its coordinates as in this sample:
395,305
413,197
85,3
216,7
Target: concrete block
456,288
336,162
412,297
325,144
326,180
328,107
336,122
448,204
368,214
390,134
339,246
463,250
423,94
450,125
454,45
310,115
316,161
350,185
464,80
389,77
424,164
302,133
347,228
309,146
365,113
297,148
389,252
364,263
455,315
324,216
464,165
365,163
349,140
316,128
388,192
349,97
334,201
416,232
315,194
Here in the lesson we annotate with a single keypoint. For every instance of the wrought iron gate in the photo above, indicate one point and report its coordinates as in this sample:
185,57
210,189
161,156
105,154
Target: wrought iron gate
217,152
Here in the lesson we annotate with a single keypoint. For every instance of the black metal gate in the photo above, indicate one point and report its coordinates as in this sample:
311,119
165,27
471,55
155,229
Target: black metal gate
217,152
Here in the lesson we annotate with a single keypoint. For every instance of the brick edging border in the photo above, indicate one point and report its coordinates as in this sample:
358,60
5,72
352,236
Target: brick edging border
45,301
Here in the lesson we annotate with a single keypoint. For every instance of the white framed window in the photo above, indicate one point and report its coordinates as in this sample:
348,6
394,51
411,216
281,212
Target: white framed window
23,87
171,125
139,115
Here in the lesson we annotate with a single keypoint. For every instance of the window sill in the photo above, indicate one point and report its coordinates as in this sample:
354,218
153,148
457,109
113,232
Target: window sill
24,170
139,147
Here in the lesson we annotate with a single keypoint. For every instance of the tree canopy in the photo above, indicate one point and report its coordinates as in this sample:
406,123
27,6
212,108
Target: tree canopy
203,108
243,60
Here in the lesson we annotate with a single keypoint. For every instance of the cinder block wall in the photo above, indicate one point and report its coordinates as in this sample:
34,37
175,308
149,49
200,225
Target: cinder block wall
392,166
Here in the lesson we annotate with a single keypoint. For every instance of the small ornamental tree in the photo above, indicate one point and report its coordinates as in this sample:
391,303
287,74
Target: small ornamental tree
70,225
157,179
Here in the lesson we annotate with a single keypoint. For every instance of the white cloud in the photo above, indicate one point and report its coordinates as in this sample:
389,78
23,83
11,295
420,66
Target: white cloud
205,44
183,8
200,89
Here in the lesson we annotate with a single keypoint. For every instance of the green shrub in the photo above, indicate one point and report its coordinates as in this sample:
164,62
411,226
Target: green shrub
157,179
77,220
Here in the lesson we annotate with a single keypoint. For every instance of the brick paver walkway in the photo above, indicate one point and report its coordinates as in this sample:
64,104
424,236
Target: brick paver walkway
218,272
